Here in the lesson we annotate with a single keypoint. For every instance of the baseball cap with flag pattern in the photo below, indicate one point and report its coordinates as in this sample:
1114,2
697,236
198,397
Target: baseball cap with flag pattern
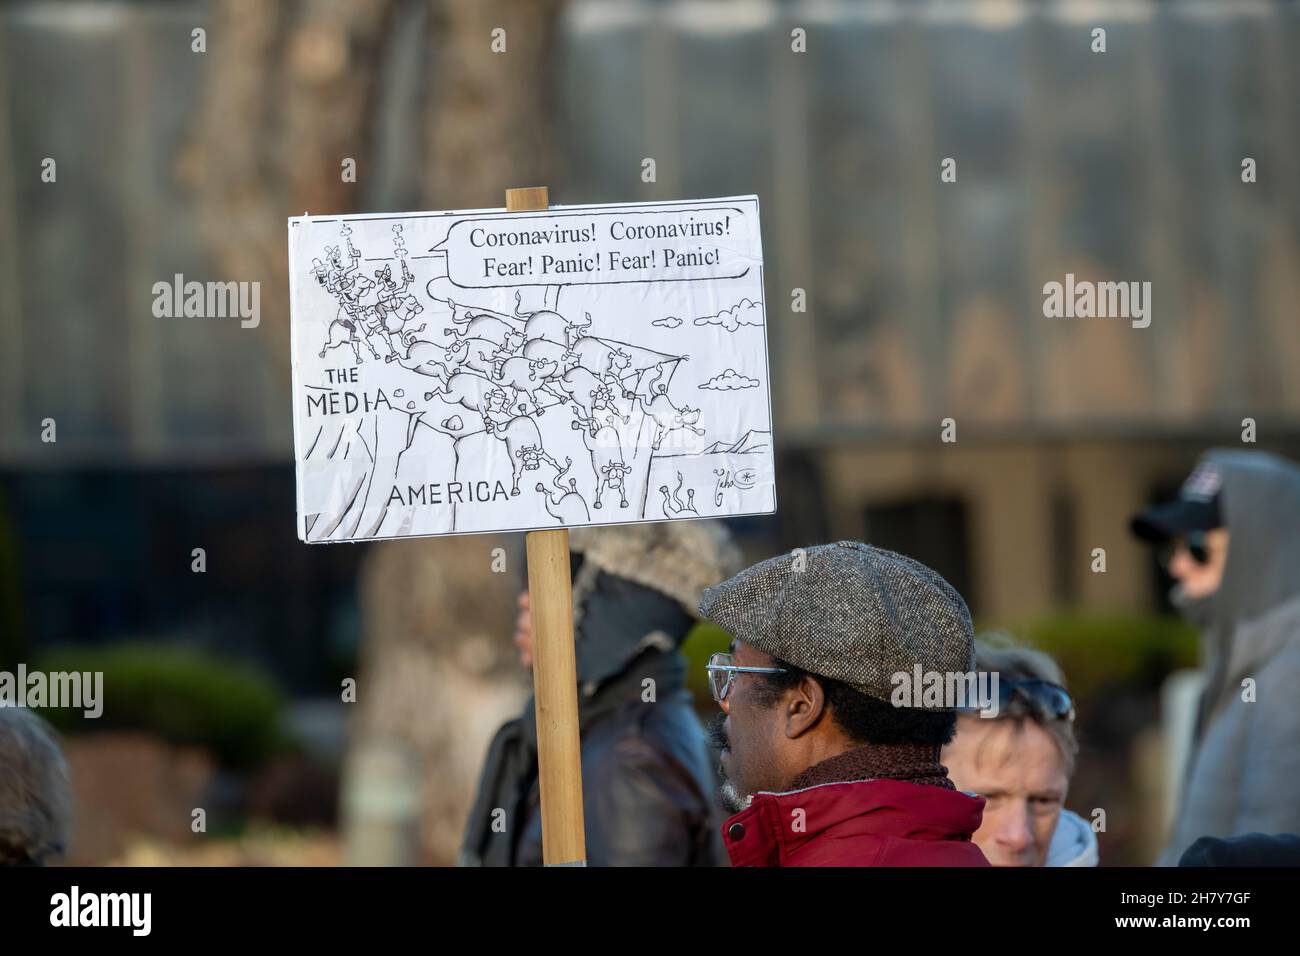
1195,509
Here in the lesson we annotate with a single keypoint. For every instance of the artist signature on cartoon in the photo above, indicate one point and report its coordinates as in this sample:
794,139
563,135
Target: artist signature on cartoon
742,478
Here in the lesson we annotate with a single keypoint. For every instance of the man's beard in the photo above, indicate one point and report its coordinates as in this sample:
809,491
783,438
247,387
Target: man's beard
733,801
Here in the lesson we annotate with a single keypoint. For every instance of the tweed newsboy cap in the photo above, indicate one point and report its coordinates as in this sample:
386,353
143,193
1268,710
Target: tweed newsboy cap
847,611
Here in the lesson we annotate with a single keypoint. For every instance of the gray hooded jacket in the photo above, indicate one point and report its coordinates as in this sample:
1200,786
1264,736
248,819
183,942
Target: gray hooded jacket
1246,756
1073,842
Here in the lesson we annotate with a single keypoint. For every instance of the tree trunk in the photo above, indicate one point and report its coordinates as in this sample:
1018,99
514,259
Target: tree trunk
293,90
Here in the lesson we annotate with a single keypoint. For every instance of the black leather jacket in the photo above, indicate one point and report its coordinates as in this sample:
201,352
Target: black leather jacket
649,792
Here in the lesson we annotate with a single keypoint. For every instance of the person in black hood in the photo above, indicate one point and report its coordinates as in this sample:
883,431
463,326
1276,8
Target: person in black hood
649,793
1232,540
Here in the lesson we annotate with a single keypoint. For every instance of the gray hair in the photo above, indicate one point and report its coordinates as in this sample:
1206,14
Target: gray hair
35,793
1000,653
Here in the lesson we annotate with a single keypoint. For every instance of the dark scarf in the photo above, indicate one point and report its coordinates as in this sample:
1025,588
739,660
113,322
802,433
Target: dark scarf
510,770
915,763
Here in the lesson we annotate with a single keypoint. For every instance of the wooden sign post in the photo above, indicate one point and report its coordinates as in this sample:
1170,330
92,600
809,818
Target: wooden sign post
555,678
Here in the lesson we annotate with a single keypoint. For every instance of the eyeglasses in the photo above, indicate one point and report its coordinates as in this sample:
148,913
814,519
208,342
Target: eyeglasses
722,672
1045,697
1195,544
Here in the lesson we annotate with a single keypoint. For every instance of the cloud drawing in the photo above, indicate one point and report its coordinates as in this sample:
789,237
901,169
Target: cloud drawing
729,381
745,312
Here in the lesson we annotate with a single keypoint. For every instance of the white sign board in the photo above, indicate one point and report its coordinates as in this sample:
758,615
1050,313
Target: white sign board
480,370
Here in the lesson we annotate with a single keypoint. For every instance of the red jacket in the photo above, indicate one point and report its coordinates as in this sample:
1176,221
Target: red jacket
859,823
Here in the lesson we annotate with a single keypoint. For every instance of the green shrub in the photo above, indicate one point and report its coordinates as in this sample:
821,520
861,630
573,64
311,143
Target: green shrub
185,696
705,638
1100,650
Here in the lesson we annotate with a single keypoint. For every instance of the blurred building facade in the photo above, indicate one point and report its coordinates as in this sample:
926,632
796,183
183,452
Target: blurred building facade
924,299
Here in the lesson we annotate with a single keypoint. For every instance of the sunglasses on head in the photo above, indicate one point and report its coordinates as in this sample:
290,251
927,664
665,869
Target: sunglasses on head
1043,696
1193,541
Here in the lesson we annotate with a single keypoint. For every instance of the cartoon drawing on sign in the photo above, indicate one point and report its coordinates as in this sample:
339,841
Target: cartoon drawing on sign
475,393
550,325
367,309
729,380
742,479
673,506
582,387
464,403
523,442
487,327
733,468
547,351
390,295
745,312
667,417
525,376
427,358
570,508
606,450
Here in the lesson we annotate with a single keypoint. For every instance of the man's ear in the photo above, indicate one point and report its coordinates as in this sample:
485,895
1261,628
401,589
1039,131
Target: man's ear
804,704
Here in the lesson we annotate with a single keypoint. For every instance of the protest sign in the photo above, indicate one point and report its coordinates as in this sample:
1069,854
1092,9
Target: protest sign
485,370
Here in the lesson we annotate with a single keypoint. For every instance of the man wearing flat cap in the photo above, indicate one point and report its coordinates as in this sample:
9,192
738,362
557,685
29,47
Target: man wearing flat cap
821,766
